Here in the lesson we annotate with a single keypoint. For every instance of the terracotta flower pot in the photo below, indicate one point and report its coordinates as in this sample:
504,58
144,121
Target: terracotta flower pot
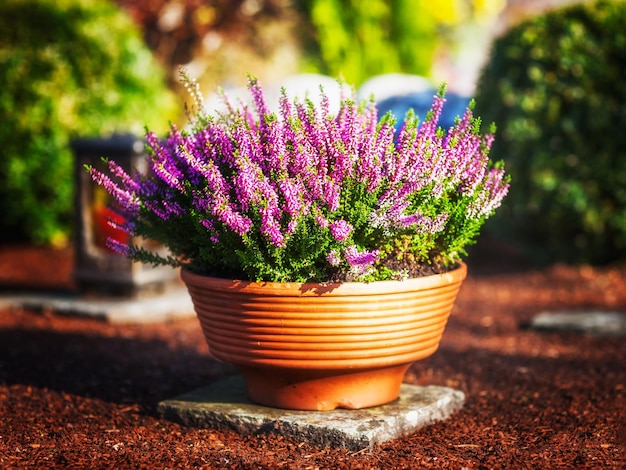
323,346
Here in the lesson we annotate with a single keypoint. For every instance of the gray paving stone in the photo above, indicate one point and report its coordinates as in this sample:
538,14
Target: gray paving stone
172,304
223,405
591,322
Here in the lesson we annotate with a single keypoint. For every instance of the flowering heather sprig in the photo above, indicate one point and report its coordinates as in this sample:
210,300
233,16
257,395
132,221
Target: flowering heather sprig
341,230
304,194
164,161
118,247
361,262
165,209
127,199
127,182
490,196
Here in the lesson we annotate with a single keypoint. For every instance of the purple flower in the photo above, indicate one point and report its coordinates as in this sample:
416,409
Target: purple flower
118,246
127,200
165,209
389,213
128,183
210,226
333,258
427,225
163,163
271,228
341,230
494,188
232,219
355,257
322,221
360,261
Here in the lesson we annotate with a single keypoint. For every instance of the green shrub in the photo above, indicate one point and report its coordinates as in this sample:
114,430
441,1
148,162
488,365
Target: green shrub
358,39
555,86
68,68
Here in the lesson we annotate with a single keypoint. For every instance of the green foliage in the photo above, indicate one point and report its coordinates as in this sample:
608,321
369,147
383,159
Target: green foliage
68,68
555,86
359,39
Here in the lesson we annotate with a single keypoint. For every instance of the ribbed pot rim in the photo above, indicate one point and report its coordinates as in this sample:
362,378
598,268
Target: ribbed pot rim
299,289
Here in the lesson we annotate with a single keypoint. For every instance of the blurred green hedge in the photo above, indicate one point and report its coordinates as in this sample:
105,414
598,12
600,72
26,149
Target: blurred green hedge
68,68
359,39
556,87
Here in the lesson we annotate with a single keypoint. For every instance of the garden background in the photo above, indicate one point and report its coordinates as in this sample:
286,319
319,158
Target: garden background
79,392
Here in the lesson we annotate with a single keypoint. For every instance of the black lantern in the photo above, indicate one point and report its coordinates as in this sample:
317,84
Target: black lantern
97,267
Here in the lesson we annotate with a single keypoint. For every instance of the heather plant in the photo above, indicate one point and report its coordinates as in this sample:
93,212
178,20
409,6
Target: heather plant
307,195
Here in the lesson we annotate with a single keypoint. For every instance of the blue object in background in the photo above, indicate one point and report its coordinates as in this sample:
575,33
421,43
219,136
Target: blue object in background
421,102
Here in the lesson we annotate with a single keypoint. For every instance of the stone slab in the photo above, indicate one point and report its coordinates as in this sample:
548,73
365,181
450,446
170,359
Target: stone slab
590,322
224,405
172,304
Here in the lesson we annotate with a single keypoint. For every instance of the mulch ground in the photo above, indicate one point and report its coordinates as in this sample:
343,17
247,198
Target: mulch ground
80,393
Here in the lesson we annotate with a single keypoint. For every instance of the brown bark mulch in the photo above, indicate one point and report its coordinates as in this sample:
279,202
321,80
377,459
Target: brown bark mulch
80,393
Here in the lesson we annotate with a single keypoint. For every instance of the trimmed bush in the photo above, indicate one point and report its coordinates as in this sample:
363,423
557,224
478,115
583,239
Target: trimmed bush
67,68
555,87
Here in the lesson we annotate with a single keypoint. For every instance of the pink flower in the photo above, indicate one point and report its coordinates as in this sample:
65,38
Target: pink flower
321,220
333,258
341,230
355,257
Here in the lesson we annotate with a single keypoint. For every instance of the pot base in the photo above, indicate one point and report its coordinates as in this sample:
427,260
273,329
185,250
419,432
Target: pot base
323,390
